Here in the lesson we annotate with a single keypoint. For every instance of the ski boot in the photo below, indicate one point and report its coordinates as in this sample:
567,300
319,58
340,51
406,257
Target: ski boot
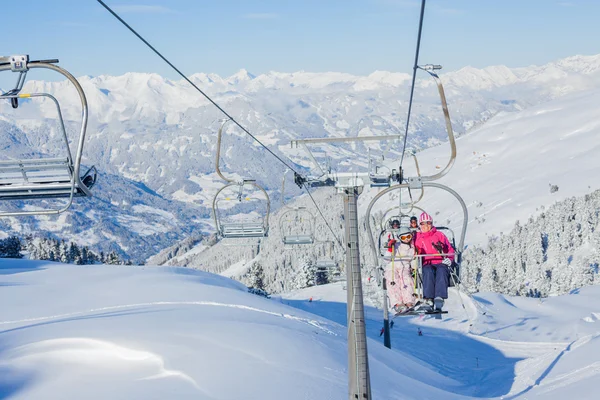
438,304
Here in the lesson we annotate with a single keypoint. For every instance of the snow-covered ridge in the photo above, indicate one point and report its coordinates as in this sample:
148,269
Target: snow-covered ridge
468,77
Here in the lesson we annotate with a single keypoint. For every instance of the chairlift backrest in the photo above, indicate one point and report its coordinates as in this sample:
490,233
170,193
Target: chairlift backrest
44,178
449,234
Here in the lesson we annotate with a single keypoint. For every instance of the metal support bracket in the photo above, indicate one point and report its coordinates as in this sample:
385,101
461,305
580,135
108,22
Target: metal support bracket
414,182
430,67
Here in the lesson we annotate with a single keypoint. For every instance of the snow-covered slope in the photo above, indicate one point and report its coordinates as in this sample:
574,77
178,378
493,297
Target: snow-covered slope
505,168
128,332
496,347
99,332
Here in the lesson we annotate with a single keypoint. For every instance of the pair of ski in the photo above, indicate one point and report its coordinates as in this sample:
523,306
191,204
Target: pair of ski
420,309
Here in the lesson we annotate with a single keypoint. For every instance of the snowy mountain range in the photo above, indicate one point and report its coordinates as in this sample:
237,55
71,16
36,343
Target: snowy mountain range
509,169
161,133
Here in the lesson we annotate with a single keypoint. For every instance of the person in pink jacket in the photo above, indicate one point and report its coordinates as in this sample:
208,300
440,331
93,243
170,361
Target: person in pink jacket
435,267
398,274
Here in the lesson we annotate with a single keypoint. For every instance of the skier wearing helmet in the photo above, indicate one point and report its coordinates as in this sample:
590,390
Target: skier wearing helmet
398,274
393,235
435,267
414,225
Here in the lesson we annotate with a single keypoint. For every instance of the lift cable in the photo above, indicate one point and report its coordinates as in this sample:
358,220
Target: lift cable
218,107
192,83
322,216
412,87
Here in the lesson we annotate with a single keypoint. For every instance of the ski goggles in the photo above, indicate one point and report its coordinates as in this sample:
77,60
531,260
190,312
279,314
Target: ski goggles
408,236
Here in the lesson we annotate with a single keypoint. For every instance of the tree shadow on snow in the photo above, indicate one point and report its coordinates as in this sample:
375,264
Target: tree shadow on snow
479,369
10,268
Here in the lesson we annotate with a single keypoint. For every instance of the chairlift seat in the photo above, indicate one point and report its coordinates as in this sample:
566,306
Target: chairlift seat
326,264
298,239
380,180
243,230
42,179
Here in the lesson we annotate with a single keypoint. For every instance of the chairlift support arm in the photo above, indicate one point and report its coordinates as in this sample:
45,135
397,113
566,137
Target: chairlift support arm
218,153
430,69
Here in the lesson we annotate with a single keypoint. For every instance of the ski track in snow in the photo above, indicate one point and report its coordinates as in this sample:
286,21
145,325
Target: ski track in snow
563,379
311,322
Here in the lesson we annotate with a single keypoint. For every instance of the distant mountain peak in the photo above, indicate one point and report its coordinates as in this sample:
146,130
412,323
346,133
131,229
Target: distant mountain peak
241,76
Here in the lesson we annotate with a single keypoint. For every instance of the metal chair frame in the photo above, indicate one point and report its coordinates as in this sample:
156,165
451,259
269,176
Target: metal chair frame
44,178
238,229
294,234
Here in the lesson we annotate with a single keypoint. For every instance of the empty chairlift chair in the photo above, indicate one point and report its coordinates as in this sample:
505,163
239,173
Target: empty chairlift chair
44,178
297,226
236,228
327,267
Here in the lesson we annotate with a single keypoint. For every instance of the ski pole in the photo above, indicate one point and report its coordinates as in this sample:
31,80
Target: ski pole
393,248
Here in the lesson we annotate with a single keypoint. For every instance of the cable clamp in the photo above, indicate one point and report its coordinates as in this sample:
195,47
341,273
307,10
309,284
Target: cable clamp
18,63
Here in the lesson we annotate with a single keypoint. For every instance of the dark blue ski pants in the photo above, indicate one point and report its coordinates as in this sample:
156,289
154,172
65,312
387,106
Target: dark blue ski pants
435,281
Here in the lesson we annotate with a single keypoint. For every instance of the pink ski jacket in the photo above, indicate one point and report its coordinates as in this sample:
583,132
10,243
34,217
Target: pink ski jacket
426,243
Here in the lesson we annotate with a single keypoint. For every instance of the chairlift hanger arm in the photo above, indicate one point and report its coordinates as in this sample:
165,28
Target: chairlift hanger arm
218,152
291,235
430,69
83,99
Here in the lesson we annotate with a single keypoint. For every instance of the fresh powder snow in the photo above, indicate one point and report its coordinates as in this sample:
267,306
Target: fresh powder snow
102,331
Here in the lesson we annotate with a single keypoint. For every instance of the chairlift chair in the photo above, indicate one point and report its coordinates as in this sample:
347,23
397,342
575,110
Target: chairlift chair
44,178
237,229
329,269
328,266
296,224
241,228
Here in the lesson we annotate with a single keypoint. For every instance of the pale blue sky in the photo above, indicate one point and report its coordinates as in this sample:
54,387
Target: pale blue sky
223,36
